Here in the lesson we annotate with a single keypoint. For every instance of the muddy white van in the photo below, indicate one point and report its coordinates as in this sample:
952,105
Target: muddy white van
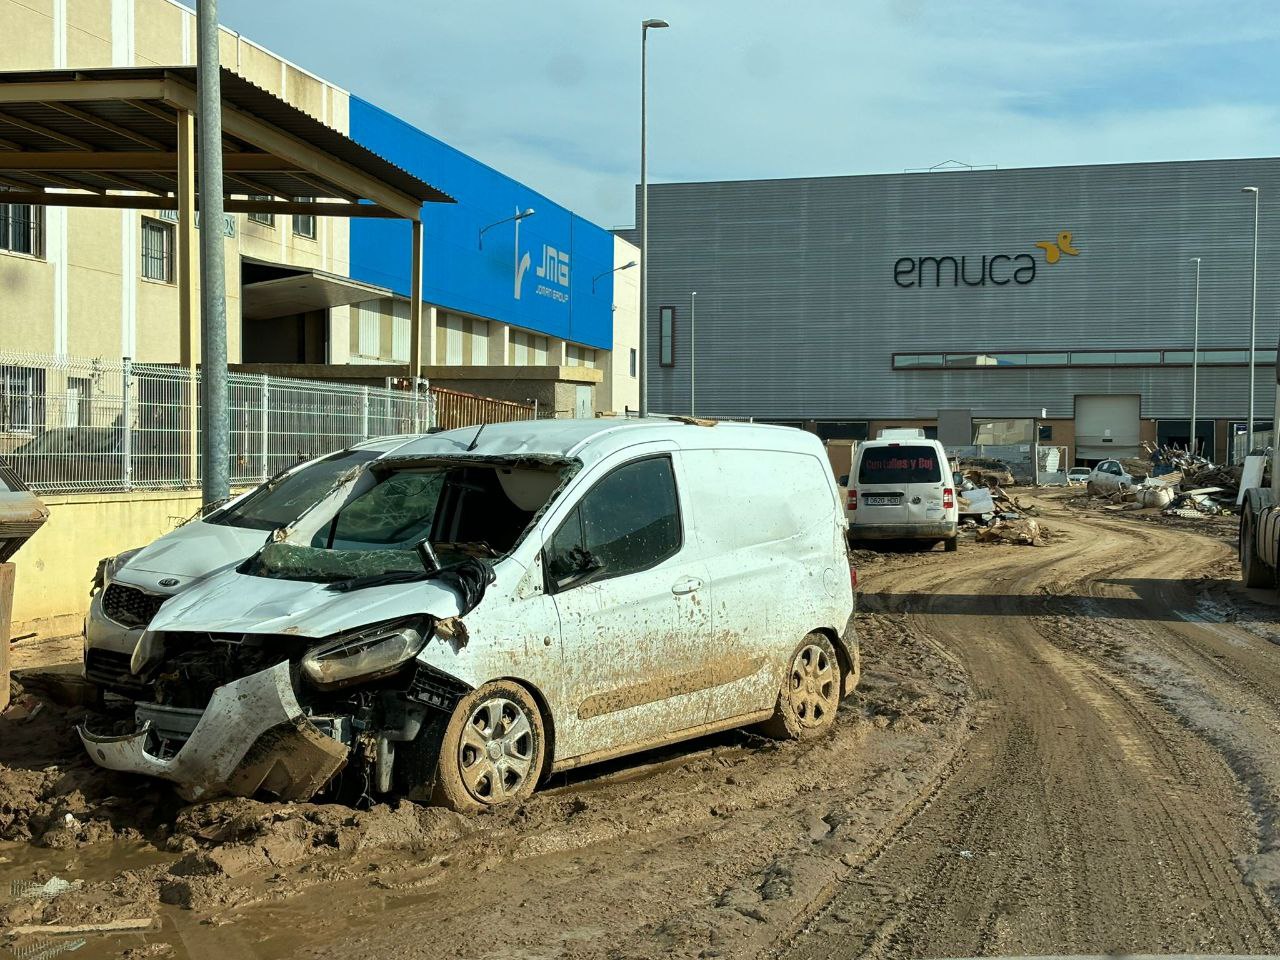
463,616
902,490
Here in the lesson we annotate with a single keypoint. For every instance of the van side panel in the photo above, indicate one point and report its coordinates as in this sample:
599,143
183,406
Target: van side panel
769,527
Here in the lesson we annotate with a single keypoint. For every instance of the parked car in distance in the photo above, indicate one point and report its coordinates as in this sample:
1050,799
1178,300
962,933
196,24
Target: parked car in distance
1078,476
129,588
1108,477
902,490
480,609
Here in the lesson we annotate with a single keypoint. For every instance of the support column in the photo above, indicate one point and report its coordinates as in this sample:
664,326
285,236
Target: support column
557,353
415,303
499,338
430,352
188,309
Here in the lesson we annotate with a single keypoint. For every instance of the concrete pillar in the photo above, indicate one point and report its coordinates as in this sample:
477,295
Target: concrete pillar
557,352
430,316
499,338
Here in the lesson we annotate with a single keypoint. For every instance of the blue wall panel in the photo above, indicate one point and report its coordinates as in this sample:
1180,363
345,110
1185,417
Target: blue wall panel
457,274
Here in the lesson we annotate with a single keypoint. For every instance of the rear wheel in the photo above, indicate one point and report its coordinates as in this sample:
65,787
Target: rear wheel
952,545
810,693
1253,571
492,750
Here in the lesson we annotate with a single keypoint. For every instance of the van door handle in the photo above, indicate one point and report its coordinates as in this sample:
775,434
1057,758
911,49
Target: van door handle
687,585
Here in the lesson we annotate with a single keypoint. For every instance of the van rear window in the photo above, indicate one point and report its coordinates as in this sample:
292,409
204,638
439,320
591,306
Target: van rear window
900,465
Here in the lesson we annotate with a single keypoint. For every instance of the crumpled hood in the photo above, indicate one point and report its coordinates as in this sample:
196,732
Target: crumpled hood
231,602
195,549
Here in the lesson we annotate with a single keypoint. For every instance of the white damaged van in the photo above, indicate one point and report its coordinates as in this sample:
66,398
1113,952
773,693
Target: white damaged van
902,489
480,608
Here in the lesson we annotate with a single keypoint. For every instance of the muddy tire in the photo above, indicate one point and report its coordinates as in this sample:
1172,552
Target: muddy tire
952,545
1253,571
810,693
492,751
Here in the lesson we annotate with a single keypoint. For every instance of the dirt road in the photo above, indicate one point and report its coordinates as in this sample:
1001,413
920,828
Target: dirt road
1061,749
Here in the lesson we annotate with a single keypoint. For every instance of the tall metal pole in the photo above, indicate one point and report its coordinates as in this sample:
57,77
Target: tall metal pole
693,347
644,212
1195,359
1253,310
213,309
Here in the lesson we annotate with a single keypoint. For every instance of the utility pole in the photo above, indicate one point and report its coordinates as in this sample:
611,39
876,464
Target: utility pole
1195,358
693,348
644,210
215,481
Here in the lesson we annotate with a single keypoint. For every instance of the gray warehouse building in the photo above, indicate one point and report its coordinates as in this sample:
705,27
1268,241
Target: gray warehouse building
1062,294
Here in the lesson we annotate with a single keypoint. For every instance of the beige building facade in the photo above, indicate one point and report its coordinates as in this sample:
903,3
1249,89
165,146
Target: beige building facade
101,283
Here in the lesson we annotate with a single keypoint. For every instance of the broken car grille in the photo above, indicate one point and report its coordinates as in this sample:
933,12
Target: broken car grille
129,606
110,668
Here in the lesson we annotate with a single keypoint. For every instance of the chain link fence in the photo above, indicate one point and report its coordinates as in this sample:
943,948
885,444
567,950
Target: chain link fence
71,424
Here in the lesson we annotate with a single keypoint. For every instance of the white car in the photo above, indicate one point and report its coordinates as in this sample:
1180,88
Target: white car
130,587
902,490
487,606
1078,476
1108,477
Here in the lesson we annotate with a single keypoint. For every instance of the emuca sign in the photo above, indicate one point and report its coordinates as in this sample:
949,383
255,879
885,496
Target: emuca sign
998,270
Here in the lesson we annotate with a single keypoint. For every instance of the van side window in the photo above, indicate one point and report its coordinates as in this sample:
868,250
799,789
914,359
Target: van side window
627,522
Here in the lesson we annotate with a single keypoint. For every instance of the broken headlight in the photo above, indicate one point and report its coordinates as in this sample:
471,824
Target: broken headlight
108,567
365,654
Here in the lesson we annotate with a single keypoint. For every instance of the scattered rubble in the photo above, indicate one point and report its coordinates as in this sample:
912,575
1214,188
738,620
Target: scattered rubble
999,517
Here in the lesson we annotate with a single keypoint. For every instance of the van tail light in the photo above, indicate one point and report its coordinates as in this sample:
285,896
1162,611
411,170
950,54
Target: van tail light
853,498
853,577
948,498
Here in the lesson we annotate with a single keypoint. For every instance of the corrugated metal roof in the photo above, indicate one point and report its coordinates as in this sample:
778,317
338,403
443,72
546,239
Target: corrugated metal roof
65,130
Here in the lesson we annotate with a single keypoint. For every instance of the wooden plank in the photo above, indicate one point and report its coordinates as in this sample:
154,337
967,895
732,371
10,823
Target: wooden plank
42,91
43,131
121,161
104,124
6,617
115,202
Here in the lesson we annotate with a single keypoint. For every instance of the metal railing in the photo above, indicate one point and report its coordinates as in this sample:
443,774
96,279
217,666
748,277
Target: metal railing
1242,443
453,409
72,424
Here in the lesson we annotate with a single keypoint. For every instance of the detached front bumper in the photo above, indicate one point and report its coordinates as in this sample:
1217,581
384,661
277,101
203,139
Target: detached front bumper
253,736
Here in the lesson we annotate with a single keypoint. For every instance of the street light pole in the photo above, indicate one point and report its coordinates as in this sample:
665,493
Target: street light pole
215,445
1253,310
693,347
644,210
1195,359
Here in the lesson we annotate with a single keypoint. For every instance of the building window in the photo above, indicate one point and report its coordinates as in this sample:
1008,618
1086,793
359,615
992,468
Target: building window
667,336
304,224
157,250
21,399
266,219
634,357
79,411
1046,432
22,228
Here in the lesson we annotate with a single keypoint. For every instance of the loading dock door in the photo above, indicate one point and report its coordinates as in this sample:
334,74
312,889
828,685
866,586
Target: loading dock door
1107,426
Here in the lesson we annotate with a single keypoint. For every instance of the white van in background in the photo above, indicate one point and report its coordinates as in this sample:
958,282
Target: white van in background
902,490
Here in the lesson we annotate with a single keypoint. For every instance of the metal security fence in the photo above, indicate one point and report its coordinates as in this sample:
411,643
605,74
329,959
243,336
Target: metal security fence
1242,443
71,424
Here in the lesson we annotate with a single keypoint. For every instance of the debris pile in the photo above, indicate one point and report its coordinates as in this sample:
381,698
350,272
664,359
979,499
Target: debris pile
998,517
1174,481
986,470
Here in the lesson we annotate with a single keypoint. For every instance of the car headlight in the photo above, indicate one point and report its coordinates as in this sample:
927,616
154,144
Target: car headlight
108,567
365,654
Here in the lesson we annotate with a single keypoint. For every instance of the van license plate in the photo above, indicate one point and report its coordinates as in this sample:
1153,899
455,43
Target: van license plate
893,501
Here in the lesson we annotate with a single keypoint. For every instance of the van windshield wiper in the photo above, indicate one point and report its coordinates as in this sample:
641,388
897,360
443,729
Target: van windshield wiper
378,580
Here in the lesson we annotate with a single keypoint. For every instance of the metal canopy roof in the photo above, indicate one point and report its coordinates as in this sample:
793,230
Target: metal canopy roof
109,131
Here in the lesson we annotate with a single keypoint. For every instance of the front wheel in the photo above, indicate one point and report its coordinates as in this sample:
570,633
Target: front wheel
810,693
1253,571
492,750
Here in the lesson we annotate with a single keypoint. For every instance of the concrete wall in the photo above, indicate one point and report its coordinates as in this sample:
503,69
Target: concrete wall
620,390
55,567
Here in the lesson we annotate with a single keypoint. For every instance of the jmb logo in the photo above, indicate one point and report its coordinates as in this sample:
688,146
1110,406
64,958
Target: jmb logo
554,266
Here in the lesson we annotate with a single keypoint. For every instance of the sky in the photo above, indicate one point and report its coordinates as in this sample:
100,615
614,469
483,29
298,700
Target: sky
549,92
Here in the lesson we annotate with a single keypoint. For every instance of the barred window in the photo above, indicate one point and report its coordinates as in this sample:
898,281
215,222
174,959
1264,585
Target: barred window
21,399
266,219
304,224
157,250
22,228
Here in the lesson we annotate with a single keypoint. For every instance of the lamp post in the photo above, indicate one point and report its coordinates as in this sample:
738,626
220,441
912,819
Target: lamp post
644,210
1195,358
693,346
517,217
625,266
1253,309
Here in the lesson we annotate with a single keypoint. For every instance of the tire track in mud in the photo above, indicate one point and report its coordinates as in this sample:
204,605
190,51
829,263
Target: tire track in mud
1084,816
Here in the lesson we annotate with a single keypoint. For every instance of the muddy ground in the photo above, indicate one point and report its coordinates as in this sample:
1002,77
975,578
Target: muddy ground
1068,748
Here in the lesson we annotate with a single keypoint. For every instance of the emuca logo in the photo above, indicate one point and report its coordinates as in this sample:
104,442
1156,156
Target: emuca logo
998,269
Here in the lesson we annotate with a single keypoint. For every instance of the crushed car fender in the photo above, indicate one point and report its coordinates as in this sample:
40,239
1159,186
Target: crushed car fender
253,735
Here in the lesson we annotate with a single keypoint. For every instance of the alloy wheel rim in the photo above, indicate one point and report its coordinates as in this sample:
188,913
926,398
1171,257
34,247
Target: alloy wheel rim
495,753
813,686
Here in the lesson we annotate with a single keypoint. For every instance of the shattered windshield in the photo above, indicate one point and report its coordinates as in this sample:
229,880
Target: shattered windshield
459,510
281,500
